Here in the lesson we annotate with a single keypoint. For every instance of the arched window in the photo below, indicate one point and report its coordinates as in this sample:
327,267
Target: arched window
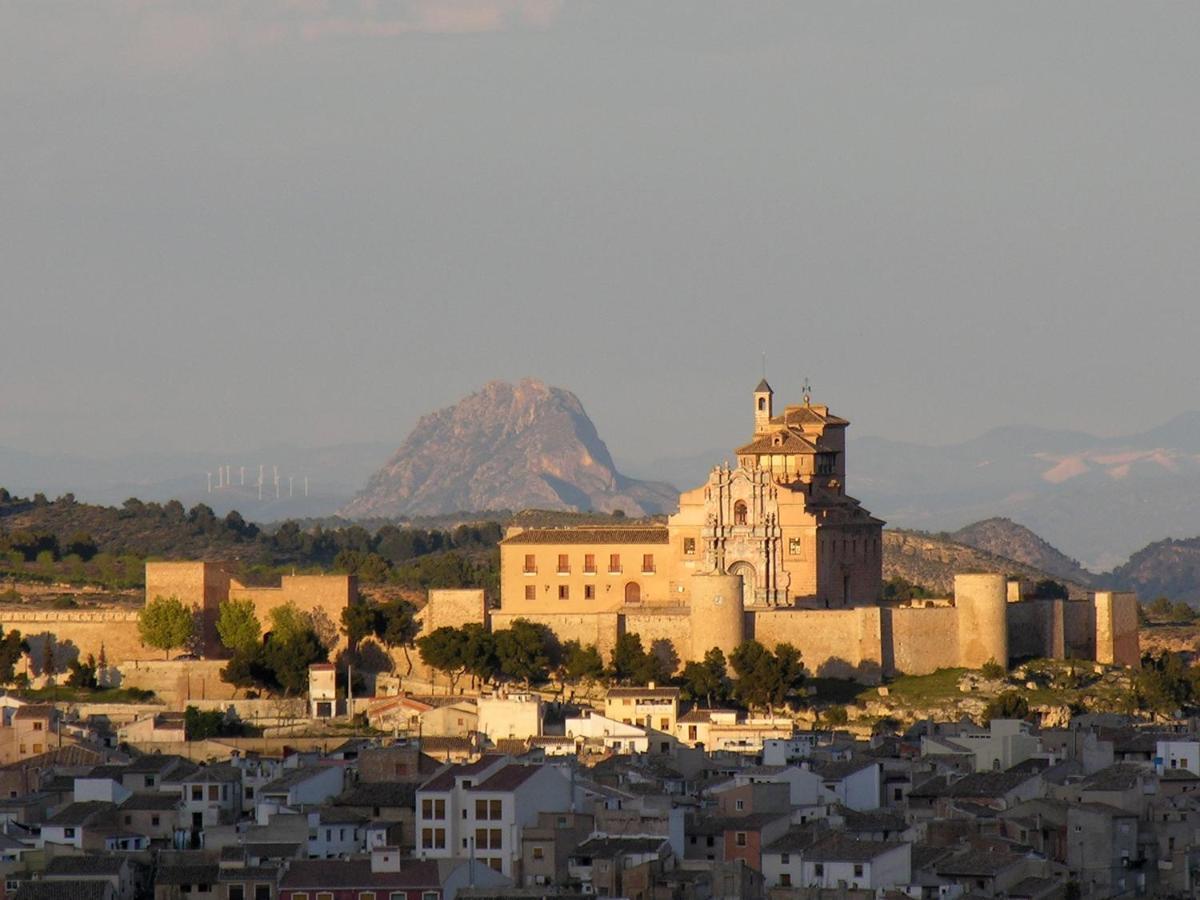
739,513
762,404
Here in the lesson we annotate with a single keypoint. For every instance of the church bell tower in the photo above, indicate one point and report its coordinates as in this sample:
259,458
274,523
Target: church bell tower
762,406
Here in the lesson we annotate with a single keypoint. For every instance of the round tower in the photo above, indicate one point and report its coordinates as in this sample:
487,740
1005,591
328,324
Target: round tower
982,604
717,616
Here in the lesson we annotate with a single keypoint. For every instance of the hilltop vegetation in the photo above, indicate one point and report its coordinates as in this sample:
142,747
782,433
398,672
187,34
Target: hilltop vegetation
66,541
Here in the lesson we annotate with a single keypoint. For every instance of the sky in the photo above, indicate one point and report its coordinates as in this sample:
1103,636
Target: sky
227,223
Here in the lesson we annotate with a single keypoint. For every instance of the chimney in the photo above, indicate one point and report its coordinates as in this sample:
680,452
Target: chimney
651,685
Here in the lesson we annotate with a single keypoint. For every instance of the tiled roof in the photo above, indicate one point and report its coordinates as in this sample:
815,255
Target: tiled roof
75,866
795,839
978,863
356,873
71,756
507,778
191,873
605,534
1120,777
152,800
34,711
604,847
843,848
62,890
75,814
379,793
213,774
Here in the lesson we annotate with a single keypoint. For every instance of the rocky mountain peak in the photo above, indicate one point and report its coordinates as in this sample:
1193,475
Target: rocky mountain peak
507,446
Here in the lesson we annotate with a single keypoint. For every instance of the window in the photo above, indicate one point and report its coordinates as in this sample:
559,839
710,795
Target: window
739,513
197,792
740,839
739,804
648,563
793,546
819,870
300,895
564,592
825,463
858,870
324,895
214,793
129,820
614,563
495,863
37,726
785,858
426,838
530,564
366,895
530,592
689,546
69,832
398,895
538,853
154,821
262,892
237,892
430,895
496,808
589,564
785,879
664,724
433,809
589,592
249,792
37,748
149,781
564,565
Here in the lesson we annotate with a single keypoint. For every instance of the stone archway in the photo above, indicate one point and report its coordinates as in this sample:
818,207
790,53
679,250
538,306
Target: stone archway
743,568
633,592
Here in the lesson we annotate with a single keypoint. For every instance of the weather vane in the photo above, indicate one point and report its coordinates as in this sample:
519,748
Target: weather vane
807,390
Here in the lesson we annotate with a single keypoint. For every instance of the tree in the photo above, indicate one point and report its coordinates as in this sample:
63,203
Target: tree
444,649
288,657
1165,683
835,716
397,626
765,679
1009,705
288,622
1182,614
1160,608
165,623
197,725
479,652
83,674
359,620
237,625
524,651
631,663
12,648
707,679
1049,589
580,663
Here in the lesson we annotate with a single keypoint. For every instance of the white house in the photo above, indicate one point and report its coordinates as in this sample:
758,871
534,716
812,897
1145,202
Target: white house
334,832
211,795
616,736
515,715
838,861
307,786
804,785
1177,755
784,751
857,784
480,809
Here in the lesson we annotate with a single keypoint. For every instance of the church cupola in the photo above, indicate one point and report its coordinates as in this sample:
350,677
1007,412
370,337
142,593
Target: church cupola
762,405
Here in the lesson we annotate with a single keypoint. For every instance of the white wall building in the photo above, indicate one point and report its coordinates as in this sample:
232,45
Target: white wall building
615,736
1177,755
516,716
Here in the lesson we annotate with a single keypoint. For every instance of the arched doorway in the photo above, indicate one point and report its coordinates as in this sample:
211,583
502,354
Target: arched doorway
746,570
633,592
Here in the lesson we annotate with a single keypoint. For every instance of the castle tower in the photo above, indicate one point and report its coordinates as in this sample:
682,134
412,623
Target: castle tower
763,396
982,603
717,614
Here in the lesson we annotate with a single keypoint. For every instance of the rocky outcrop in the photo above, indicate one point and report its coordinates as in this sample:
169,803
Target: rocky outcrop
1004,537
507,447
932,561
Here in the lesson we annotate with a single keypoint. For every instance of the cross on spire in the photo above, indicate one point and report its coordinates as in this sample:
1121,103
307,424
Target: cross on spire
807,389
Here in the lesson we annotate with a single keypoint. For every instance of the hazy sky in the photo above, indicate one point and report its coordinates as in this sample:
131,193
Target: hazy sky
228,223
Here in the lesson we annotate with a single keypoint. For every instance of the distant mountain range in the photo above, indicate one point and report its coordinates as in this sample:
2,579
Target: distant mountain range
508,446
1098,499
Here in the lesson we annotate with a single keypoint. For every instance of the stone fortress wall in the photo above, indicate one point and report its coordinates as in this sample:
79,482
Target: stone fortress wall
979,624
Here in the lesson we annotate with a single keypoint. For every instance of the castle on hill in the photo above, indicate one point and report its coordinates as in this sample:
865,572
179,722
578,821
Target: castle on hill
771,548
774,549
